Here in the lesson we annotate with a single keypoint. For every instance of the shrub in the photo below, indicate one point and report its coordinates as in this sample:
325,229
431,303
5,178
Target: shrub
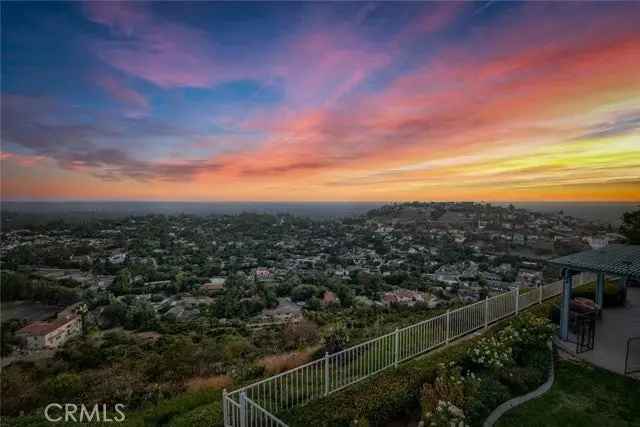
250,372
300,334
67,385
444,399
446,414
397,392
527,333
492,394
489,354
337,340
521,380
614,296
448,387
389,394
209,415
188,406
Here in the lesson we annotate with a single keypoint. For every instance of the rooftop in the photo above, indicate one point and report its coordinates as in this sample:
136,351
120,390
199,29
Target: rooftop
620,260
43,328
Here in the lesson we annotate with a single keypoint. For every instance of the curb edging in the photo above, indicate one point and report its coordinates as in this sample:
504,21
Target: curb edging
519,400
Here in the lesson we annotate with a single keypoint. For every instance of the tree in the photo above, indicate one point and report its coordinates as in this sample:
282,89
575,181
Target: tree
120,285
345,294
336,340
114,314
299,334
630,227
303,292
313,304
82,311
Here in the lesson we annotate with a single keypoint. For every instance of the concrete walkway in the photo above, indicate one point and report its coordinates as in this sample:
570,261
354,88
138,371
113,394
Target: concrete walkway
612,332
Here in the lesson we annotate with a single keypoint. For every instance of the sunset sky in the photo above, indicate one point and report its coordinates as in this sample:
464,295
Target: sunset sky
486,101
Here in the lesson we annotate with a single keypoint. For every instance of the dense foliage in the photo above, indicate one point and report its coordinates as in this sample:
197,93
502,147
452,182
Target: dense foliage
398,392
630,227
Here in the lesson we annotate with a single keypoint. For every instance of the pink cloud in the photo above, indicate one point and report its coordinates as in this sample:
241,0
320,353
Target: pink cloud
120,92
322,65
153,48
24,160
435,18
461,99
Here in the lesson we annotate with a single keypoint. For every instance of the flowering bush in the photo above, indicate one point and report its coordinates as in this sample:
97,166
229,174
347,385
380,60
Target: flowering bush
446,414
528,331
442,401
491,353
524,334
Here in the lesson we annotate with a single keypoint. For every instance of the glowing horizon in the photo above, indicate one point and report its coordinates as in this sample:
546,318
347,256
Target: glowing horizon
486,101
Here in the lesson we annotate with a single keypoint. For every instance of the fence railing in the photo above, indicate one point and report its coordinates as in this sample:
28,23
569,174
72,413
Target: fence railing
253,405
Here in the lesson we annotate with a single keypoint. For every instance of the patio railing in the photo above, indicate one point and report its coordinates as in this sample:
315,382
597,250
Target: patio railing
629,366
253,405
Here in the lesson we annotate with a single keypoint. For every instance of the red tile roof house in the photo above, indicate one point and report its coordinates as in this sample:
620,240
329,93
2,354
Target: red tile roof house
329,298
41,335
402,296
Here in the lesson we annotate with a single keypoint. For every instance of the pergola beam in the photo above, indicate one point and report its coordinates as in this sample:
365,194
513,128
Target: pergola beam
616,260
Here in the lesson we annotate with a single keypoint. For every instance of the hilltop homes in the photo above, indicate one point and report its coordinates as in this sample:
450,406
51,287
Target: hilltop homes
48,335
529,278
402,297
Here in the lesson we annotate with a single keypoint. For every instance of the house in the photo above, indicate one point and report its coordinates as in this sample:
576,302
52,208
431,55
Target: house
329,298
452,274
118,258
42,335
519,239
402,296
597,242
285,311
215,285
263,273
529,278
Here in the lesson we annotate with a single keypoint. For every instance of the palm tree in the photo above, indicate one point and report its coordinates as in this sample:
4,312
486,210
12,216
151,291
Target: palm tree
82,310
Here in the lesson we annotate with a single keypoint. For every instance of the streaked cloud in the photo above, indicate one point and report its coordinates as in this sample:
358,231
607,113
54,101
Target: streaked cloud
333,101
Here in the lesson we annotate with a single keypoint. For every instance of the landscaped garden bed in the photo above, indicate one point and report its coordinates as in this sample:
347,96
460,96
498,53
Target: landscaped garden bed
462,383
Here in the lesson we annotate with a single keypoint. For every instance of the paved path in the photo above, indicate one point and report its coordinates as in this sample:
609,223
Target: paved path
617,325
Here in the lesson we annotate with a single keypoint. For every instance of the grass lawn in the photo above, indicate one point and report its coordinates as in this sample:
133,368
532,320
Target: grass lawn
581,396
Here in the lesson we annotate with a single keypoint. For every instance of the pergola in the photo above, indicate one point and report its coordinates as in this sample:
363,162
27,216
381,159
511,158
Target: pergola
618,260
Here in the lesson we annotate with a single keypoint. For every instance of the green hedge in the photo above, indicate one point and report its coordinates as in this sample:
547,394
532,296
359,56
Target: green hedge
614,296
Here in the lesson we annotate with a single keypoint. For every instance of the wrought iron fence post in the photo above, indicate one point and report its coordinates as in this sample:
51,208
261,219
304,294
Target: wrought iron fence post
326,373
243,409
486,312
397,347
225,415
448,321
540,293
